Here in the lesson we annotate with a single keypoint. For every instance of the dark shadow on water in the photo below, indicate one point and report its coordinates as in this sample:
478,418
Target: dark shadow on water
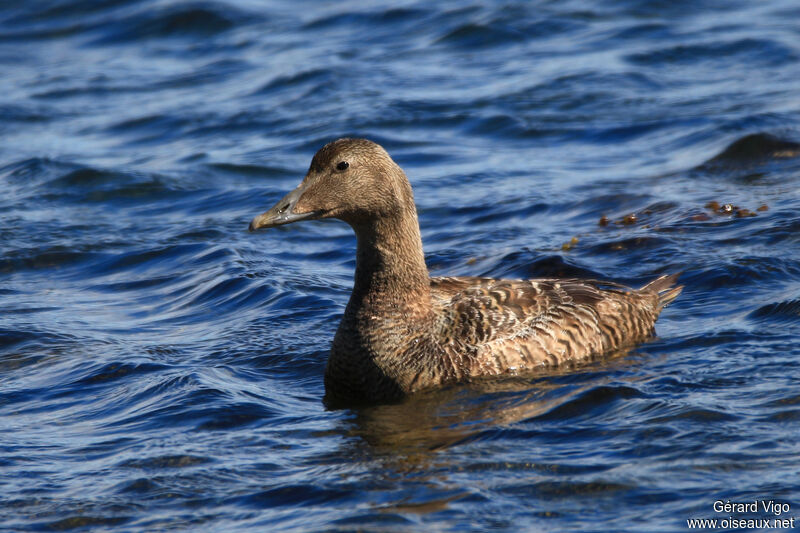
411,431
751,150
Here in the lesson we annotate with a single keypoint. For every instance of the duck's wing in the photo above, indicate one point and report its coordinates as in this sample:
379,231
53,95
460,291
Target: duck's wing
517,324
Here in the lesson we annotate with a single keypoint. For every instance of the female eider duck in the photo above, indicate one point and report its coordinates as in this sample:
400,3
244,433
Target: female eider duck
404,331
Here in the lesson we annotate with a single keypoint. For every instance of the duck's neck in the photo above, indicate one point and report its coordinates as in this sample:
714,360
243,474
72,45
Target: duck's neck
390,264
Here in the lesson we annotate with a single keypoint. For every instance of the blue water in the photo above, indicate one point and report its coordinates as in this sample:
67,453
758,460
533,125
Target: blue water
161,368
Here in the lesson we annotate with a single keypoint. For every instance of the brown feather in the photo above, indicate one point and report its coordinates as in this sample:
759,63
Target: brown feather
403,331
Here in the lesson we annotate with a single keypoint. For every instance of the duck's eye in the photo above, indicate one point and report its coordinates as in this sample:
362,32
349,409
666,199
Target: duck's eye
342,165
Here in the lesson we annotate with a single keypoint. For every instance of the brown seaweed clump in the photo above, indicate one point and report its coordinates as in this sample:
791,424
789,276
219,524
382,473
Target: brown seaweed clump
734,210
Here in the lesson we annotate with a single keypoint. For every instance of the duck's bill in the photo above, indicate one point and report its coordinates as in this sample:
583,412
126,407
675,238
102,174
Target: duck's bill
282,213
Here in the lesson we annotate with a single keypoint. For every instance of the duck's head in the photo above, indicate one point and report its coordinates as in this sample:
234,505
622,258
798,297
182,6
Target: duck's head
354,180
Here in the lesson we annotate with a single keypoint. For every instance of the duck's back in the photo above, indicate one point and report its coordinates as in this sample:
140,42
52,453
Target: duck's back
494,327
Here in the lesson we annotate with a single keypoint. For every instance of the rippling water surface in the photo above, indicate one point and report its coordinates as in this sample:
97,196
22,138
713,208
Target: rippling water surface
161,368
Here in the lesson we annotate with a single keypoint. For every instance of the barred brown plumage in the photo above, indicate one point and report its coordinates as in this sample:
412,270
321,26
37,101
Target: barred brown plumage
403,331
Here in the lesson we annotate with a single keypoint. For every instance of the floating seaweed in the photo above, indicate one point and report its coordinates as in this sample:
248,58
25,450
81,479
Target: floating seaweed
716,208
569,245
731,209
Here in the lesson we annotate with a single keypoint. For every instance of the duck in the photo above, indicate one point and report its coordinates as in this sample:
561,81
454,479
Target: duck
404,331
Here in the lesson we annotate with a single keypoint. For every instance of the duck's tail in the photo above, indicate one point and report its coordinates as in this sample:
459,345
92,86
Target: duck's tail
664,287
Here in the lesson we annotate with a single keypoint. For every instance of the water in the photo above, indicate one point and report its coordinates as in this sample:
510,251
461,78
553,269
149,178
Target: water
161,368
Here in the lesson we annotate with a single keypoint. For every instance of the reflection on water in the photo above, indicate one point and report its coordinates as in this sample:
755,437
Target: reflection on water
414,430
